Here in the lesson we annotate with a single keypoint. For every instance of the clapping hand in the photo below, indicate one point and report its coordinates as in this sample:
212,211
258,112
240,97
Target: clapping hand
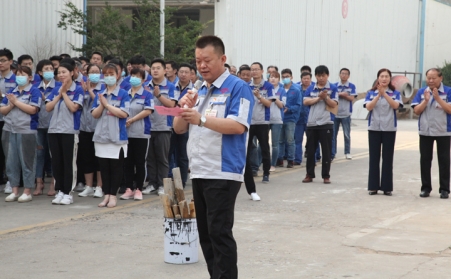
103,100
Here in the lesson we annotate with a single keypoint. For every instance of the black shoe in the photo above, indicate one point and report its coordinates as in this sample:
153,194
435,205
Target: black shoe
254,173
444,194
122,190
387,193
290,164
372,193
279,163
297,163
424,194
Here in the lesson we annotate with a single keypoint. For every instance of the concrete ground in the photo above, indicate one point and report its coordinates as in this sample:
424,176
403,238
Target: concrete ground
297,230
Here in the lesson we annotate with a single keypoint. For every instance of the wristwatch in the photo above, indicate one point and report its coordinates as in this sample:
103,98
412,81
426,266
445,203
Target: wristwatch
158,96
202,121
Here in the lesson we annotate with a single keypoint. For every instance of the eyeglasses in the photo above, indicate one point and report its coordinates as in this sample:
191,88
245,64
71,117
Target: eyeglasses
255,70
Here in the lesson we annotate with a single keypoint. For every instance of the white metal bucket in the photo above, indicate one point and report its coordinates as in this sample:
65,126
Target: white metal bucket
181,241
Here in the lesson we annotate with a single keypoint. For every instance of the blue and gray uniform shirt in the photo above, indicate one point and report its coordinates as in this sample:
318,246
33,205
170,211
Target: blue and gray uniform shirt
434,121
44,115
110,128
383,116
162,123
18,121
79,79
260,113
64,121
7,84
213,155
89,123
124,84
36,81
318,115
276,112
345,106
293,103
147,79
141,101
304,111
179,91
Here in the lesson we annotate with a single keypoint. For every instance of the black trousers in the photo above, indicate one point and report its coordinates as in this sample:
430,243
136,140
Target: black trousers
111,171
158,157
315,137
86,160
376,180
215,206
262,134
443,153
135,163
63,149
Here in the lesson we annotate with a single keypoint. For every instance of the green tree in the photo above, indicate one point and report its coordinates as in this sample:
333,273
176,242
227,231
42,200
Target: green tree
446,71
127,35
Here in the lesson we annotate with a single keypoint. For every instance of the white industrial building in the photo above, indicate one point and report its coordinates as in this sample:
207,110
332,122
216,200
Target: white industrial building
362,35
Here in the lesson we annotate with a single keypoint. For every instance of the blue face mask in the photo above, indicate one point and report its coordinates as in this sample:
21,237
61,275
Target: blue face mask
21,80
94,78
123,74
286,81
48,75
110,80
135,81
267,76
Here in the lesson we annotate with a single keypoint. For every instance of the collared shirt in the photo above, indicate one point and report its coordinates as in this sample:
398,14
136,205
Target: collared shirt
44,115
383,117
276,112
124,84
179,91
162,122
434,121
260,113
79,79
318,115
304,111
142,100
18,121
293,103
213,155
111,129
147,78
345,106
36,81
176,80
64,121
7,84
87,122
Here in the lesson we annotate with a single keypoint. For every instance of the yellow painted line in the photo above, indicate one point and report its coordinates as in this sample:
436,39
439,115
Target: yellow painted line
80,216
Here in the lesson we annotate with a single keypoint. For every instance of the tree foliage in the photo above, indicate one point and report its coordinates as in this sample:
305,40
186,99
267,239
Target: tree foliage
124,36
446,71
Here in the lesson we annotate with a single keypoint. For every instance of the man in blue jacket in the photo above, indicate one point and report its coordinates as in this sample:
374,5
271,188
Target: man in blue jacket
291,116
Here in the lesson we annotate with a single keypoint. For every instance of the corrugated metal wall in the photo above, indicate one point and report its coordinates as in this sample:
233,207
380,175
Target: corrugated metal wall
437,39
30,26
292,33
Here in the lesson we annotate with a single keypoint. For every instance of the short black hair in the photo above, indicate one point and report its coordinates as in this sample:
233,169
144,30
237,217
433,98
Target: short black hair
306,74
306,68
271,66
90,66
25,69
259,64
118,62
157,60
6,52
55,57
227,66
109,66
321,69
186,65
67,66
439,72
24,57
173,64
287,71
108,57
194,67
65,55
213,41
345,69
98,53
68,61
41,65
138,60
83,58
244,68
139,71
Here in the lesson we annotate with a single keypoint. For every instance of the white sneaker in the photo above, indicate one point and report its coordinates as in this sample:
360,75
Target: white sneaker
149,189
58,198
67,199
12,197
160,190
98,192
348,156
255,197
80,187
87,192
25,198
8,188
